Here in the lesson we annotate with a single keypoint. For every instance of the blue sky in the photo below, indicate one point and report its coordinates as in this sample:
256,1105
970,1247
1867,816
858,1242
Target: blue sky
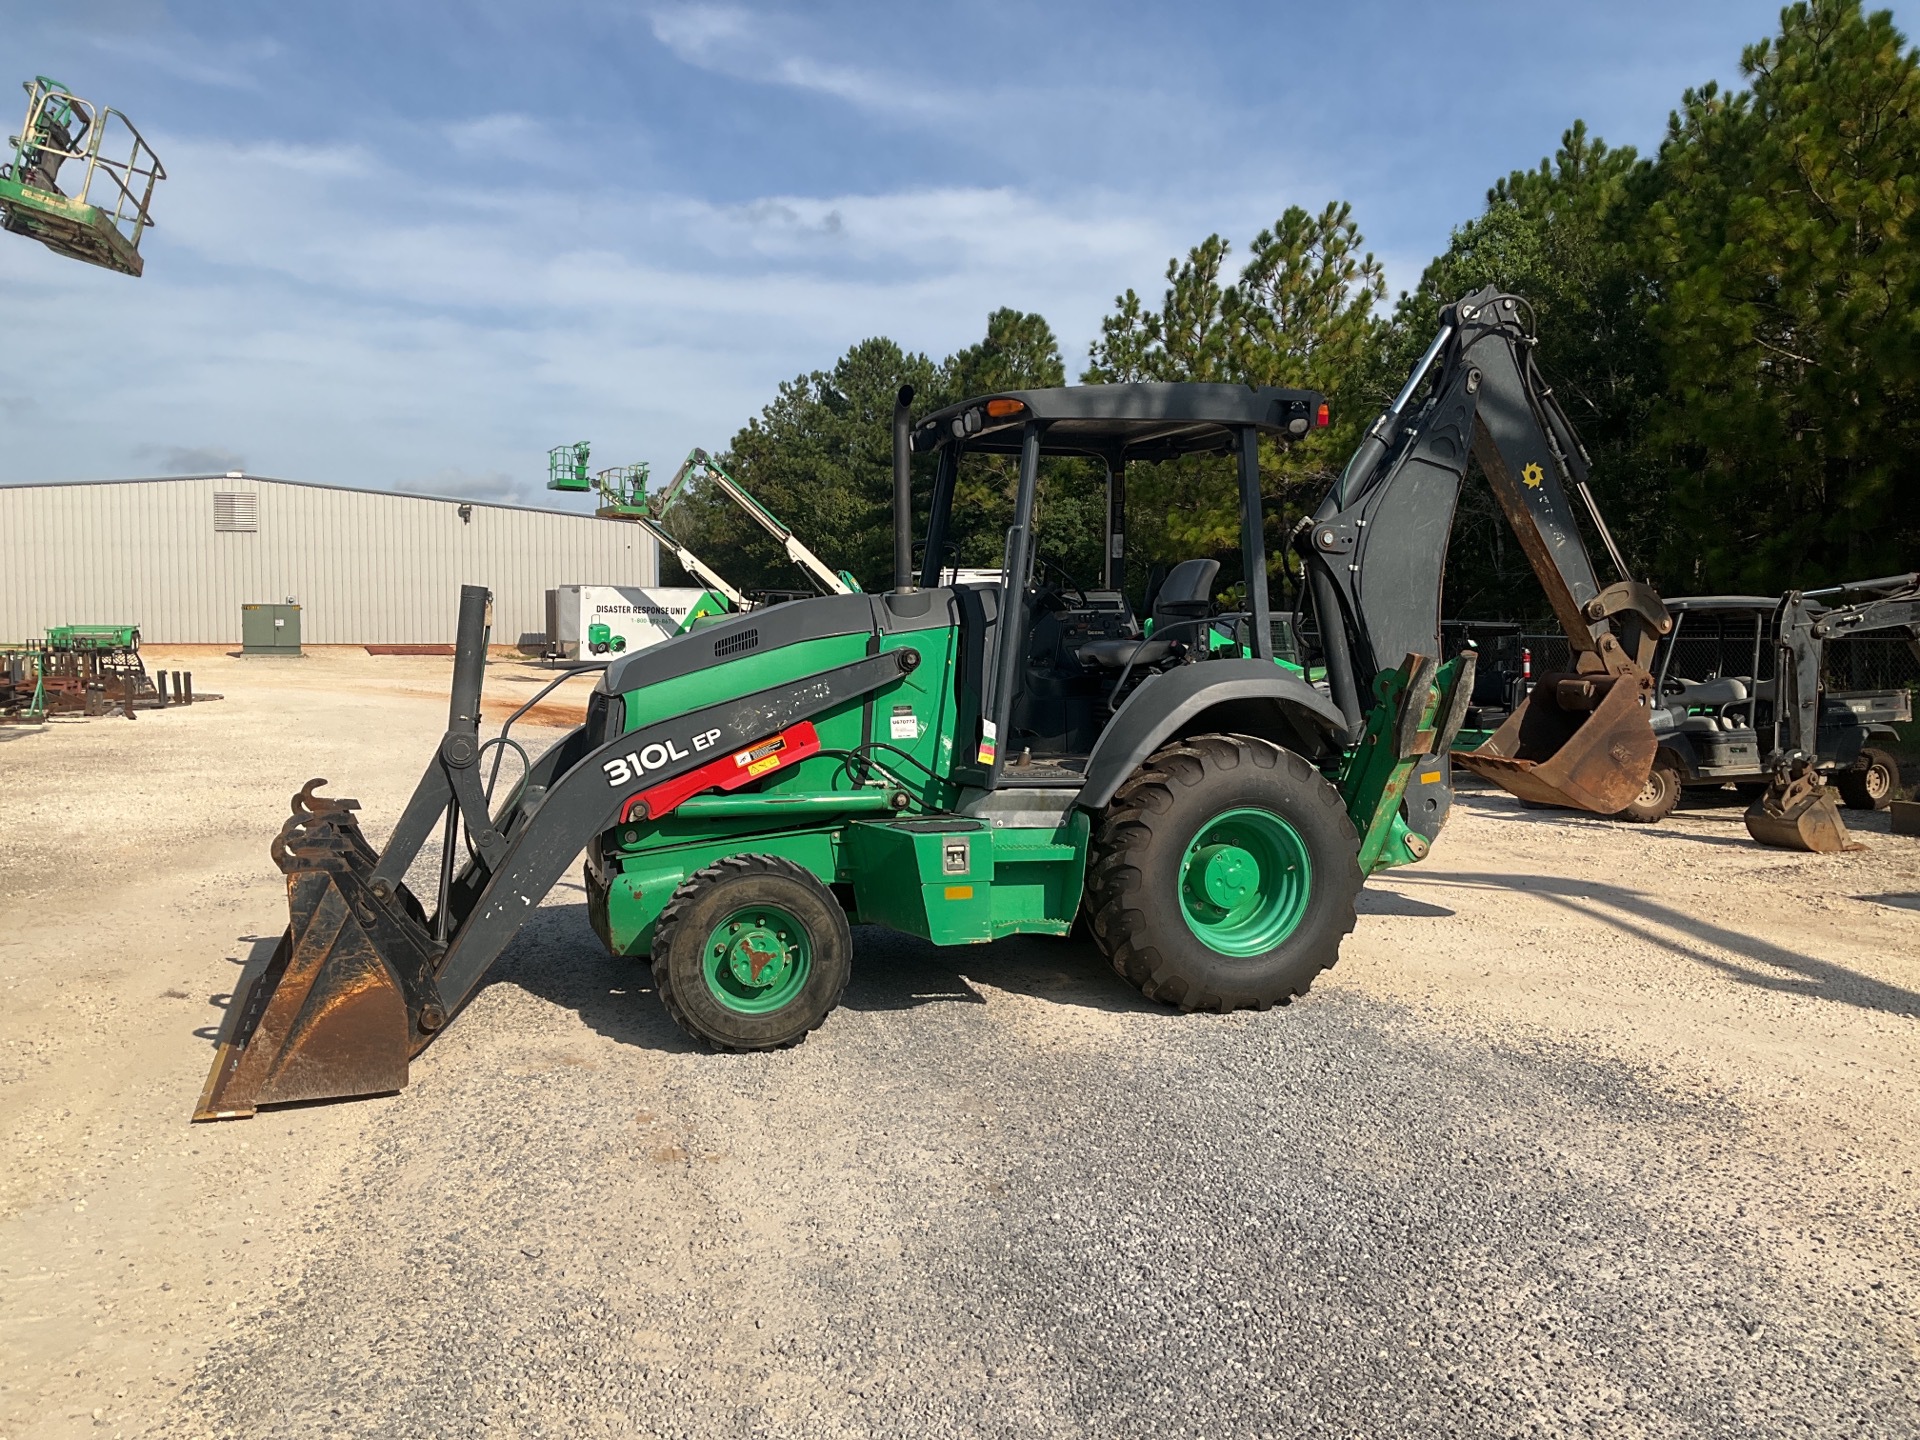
412,245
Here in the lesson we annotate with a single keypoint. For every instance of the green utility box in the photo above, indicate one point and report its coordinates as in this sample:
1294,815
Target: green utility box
269,629
956,881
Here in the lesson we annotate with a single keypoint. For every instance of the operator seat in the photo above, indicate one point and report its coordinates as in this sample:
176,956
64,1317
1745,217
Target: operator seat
1186,597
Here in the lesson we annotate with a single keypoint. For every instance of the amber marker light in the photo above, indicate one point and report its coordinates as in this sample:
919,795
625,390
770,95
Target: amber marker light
1000,409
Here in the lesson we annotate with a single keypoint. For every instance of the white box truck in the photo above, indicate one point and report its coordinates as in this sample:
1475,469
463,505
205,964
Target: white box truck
587,621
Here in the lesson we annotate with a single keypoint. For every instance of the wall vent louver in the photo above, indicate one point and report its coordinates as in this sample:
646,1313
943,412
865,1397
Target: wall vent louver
236,510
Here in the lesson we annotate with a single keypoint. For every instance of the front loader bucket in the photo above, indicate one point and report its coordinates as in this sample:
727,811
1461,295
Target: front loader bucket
339,1008
1800,814
1572,745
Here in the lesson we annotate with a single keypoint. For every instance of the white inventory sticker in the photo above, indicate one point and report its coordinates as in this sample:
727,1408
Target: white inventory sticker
904,725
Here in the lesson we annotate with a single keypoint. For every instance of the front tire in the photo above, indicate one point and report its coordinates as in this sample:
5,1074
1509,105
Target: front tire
751,953
1224,875
1871,784
1656,798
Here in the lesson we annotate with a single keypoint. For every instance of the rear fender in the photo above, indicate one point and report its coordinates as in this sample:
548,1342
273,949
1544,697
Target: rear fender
1241,697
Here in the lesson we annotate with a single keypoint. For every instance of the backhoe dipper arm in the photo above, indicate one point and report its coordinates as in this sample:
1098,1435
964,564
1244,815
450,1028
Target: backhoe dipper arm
771,523
1376,549
1805,625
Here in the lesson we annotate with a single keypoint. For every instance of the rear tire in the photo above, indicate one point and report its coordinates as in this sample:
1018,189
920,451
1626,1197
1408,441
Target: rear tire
1871,784
1224,875
751,953
1657,797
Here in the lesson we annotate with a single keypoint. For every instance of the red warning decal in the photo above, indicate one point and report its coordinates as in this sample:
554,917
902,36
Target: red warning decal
729,772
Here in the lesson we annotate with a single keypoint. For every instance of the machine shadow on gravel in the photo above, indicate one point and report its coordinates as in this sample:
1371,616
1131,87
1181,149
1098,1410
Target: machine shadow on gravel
1634,913
557,958
1496,805
1391,904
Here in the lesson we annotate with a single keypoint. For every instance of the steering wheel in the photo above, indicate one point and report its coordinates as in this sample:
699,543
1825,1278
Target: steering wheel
1067,583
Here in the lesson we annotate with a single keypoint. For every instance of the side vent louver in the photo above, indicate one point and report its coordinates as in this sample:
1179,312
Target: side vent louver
737,644
236,510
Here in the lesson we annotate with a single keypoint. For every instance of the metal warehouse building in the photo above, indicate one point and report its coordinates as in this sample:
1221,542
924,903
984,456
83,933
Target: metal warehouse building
179,557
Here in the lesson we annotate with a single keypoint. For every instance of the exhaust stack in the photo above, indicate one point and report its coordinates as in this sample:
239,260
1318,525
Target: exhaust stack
903,576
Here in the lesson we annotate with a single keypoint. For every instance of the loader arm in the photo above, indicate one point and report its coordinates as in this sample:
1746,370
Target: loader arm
1375,557
364,978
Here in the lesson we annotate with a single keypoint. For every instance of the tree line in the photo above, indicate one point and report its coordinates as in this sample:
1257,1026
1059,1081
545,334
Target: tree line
1733,322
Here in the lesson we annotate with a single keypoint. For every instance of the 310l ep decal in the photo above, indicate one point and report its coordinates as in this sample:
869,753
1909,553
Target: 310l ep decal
625,769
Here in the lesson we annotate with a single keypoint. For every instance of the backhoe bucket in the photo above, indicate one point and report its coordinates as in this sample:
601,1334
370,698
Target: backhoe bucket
1800,814
337,1012
1572,744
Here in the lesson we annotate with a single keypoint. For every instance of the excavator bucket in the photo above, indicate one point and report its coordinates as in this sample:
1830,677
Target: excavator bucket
330,1015
1579,742
1799,813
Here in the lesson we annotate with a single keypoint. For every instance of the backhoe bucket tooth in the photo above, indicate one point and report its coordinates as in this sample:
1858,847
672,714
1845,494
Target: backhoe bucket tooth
340,1007
1552,752
1800,814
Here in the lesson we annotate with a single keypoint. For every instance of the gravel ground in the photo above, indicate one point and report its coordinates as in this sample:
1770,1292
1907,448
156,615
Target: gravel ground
1594,1131
940,1219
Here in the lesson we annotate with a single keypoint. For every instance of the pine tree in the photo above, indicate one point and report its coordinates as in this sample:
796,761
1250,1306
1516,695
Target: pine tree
1300,313
1568,237
1786,229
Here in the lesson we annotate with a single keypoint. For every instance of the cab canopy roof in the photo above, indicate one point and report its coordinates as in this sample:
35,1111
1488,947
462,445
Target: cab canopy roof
1147,420
1680,604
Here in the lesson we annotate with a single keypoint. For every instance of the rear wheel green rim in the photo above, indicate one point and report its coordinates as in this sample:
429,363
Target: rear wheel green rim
1245,881
757,960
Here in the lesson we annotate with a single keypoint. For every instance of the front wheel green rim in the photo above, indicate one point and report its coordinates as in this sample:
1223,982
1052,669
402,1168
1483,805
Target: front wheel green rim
757,960
1245,881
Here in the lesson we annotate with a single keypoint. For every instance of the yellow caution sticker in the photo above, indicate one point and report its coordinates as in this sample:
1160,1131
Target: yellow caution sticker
758,759
959,892
1533,475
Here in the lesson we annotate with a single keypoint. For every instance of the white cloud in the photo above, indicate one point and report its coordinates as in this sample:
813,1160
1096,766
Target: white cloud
771,49
335,317
192,459
502,136
231,66
457,484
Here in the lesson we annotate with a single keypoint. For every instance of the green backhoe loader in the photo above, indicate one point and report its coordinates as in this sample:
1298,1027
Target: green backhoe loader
984,758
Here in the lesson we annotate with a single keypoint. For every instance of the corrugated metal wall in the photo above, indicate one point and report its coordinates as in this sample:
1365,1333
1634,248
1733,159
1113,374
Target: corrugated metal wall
367,567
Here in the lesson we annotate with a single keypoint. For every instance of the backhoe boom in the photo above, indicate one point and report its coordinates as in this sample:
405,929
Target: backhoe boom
1375,556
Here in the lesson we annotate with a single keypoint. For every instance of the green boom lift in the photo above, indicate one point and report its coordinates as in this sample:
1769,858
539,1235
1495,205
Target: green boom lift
96,210
623,495
973,760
